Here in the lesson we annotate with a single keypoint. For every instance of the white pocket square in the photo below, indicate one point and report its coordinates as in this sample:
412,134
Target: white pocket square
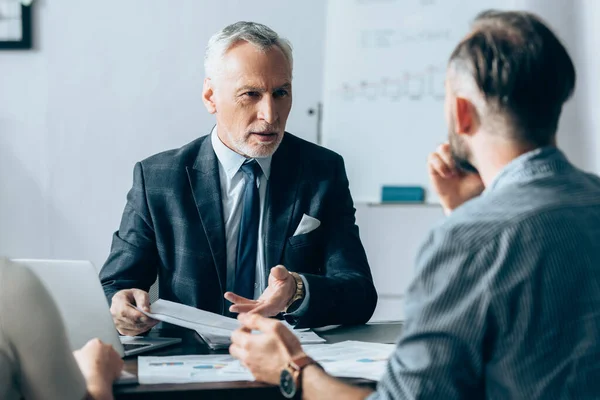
307,225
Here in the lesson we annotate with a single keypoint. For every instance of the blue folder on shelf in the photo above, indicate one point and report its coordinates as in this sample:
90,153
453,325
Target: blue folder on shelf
401,194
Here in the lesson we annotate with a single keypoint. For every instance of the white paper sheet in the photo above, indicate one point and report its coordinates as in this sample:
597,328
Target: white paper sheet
352,359
214,329
195,368
348,359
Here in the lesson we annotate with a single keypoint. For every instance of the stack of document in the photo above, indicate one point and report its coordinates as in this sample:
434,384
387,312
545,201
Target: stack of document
213,328
344,360
348,359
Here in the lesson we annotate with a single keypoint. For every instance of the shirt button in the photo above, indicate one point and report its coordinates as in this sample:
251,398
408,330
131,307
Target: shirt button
256,286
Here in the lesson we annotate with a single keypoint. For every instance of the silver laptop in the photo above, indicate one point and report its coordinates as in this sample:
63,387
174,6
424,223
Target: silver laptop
76,289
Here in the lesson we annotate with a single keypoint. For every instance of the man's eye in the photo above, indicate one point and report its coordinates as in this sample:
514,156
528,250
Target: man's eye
252,94
281,93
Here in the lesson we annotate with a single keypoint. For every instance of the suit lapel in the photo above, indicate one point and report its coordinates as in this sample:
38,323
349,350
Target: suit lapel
206,188
283,188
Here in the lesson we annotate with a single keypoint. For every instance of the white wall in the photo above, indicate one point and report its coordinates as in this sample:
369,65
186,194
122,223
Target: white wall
567,18
392,235
588,85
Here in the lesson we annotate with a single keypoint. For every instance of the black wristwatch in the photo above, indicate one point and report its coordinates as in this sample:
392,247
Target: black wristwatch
290,380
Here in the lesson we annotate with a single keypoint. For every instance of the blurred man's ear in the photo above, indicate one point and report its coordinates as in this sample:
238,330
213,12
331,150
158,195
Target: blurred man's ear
466,117
208,96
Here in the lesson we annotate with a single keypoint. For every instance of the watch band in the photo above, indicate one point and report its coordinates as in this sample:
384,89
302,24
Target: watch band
299,290
300,362
297,365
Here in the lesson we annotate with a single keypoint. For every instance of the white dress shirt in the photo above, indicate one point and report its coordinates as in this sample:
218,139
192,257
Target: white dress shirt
232,189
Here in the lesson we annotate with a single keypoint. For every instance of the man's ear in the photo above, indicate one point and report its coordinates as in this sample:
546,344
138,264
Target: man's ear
208,94
466,117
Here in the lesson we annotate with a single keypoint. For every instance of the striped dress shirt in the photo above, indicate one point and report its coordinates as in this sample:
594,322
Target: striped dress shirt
506,299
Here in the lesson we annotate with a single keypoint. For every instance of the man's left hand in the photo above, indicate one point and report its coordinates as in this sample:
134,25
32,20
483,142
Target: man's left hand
267,354
275,298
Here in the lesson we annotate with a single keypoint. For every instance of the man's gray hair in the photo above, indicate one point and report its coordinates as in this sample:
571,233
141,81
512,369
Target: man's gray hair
257,34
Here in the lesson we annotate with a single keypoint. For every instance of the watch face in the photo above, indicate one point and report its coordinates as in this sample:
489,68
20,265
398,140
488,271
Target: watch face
287,385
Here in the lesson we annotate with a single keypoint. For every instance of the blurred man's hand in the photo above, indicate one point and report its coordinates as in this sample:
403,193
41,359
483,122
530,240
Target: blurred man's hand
453,186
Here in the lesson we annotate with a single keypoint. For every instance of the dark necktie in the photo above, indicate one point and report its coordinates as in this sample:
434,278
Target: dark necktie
247,244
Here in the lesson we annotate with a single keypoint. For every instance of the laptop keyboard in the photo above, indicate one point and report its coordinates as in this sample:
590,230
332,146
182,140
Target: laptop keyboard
129,347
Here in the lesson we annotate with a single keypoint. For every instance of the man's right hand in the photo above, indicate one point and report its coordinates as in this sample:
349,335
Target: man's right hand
452,185
128,320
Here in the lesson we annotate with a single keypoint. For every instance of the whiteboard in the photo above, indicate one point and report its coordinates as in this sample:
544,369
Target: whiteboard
385,64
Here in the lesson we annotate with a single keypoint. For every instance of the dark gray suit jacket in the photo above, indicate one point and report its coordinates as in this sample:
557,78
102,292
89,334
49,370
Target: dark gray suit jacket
173,228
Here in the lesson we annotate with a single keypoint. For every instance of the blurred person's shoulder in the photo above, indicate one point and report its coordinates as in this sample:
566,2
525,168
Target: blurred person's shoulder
17,281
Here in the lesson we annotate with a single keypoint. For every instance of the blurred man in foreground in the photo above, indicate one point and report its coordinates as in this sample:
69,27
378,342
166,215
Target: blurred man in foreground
506,299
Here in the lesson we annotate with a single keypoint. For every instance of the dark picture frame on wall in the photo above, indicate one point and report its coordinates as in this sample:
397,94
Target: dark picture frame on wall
15,25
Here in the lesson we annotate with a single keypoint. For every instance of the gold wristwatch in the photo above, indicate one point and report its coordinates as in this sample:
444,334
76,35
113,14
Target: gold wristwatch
299,290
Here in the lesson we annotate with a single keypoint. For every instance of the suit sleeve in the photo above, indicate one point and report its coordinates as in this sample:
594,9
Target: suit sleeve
439,354
345,293
133,260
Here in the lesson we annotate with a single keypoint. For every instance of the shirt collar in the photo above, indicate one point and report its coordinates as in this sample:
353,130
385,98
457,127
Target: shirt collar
535,162
232,161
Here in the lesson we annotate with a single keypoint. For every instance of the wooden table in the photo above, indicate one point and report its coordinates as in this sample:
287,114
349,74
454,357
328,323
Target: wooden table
192,344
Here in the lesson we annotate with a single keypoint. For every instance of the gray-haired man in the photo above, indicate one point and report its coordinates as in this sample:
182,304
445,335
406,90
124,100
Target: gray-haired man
249,214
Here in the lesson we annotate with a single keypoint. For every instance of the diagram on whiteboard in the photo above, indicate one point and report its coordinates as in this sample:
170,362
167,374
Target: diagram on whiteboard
421,2
414,86
382,38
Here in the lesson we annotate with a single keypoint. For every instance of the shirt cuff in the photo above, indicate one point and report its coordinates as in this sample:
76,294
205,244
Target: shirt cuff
301,310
